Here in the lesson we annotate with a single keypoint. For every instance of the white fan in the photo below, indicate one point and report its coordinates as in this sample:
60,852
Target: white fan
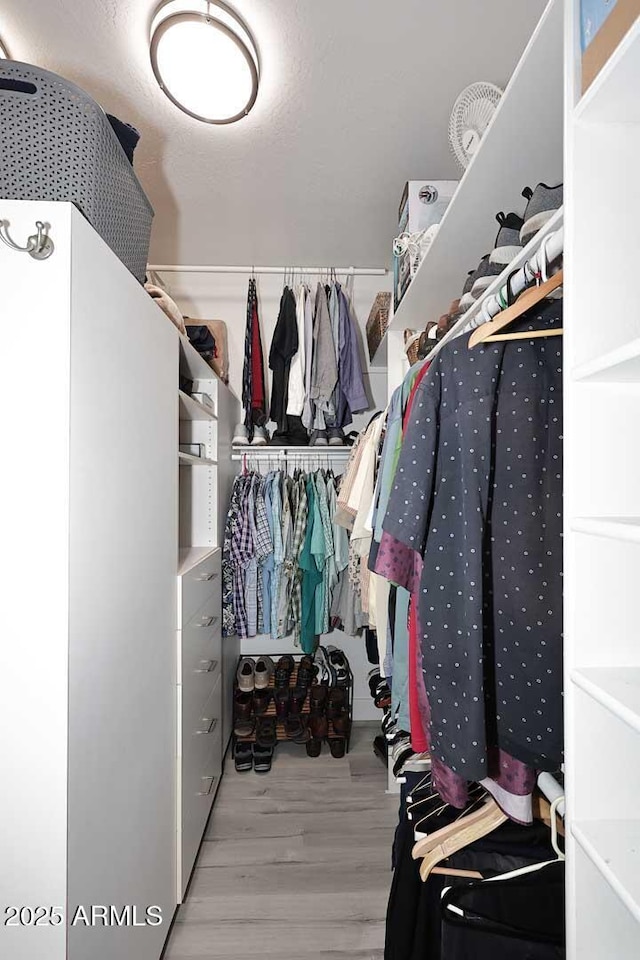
470,117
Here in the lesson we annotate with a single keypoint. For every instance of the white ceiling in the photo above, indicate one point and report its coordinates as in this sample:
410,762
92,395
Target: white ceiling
354,99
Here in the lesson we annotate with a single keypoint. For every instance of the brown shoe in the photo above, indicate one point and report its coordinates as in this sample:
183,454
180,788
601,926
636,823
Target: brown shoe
337,745
314,748
318,726
342,725
317,697
337,702
297,700
284,670
296,729
261,701
282,703
242,711
305,672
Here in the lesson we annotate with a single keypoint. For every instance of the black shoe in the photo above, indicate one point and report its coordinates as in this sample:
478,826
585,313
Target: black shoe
243,757
262,758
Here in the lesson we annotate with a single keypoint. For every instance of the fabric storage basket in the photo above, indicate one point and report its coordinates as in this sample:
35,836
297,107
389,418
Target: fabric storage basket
57,144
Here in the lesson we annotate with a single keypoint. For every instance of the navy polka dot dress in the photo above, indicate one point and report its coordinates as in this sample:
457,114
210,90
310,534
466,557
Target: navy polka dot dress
478,493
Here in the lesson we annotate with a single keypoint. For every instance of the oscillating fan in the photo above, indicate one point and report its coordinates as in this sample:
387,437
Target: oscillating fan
470,117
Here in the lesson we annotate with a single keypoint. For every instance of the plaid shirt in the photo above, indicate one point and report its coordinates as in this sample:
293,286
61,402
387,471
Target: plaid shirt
263,547
229,628
299,531
240,553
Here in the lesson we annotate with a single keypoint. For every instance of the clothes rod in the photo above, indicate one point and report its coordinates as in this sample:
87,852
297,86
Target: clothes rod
305,453
191,268
552,790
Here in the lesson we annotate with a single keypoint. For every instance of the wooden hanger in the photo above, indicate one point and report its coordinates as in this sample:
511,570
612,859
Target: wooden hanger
427,842
487,332
471,828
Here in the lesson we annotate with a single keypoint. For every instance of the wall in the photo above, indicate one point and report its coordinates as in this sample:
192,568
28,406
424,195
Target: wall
223,297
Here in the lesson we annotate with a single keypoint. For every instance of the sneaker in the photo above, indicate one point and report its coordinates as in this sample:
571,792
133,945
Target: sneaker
484,276
318,438
260,437
323,669
243,756
335,436
264,670
241,435
262,758
543,203
508,244
246,674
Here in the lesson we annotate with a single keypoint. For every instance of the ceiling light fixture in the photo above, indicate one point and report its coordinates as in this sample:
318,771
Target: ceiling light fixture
205,59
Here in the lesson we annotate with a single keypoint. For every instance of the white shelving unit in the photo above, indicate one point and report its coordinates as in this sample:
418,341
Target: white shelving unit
602,502
522,146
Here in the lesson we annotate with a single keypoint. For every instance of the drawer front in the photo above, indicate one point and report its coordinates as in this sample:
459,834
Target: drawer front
201,726
200,655
198,585
198,791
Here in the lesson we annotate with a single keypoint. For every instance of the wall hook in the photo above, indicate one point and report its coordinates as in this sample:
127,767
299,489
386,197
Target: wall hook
39,245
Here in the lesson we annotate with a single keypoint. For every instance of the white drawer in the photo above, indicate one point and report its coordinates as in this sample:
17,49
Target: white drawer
200,647
198,790
200,583
201,724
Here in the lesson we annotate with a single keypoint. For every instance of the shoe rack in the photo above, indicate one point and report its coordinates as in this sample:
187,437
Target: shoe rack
305,712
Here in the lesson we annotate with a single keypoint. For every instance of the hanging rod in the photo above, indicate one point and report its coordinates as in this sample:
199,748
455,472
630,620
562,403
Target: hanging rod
552,237
263,454
552,790
190,268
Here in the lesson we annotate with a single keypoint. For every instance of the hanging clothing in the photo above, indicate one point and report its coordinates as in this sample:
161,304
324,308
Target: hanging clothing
311,576
284,346
295,404
478,494
351,379
324,373
308,410
258,386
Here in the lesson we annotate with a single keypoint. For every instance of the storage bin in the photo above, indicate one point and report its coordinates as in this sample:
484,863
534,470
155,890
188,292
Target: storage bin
57,144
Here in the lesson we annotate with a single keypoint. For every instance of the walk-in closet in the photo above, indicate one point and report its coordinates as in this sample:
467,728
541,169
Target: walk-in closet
320,507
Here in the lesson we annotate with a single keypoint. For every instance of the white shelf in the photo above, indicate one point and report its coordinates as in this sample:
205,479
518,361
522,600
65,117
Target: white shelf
621,365
191,409
615,688
522,146
613,95
614,528
189,557
613,846
188,460
192,364
465,322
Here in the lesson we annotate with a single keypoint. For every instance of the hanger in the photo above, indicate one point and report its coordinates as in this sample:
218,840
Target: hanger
469,829
488,331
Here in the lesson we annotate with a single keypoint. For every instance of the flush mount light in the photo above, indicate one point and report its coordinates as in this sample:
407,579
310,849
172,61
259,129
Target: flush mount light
205,59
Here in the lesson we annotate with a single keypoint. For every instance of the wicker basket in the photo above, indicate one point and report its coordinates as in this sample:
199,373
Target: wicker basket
411,345
57,144
378,322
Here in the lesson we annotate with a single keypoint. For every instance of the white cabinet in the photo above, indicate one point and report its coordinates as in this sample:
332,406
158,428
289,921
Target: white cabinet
89,525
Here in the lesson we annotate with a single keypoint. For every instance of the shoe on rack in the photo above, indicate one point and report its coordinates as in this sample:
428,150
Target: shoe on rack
246,674
318,726
337,746
240,436
284,669
466,299
318,438
508,244
262,758
340,665
243,757
296,729
297,700
542,204
484,276
314,748
264,670
337,702
261,701
266,732
318,697
243,722
305,672
260,437
323,669
335,436
282,703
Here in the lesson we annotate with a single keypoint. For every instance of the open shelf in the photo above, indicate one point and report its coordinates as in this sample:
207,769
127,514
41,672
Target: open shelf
191,409
615,688
521,147
189,557
188,460
192,365
613,95
613,846
621,365
615,528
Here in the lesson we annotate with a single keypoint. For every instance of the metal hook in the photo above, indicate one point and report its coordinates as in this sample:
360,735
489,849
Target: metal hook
39,245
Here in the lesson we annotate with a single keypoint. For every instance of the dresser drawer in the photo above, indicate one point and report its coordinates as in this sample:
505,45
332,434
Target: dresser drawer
200,649
198,790
201,723
199,584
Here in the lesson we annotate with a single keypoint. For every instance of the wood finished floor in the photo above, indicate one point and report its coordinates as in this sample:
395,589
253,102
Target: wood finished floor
295,864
